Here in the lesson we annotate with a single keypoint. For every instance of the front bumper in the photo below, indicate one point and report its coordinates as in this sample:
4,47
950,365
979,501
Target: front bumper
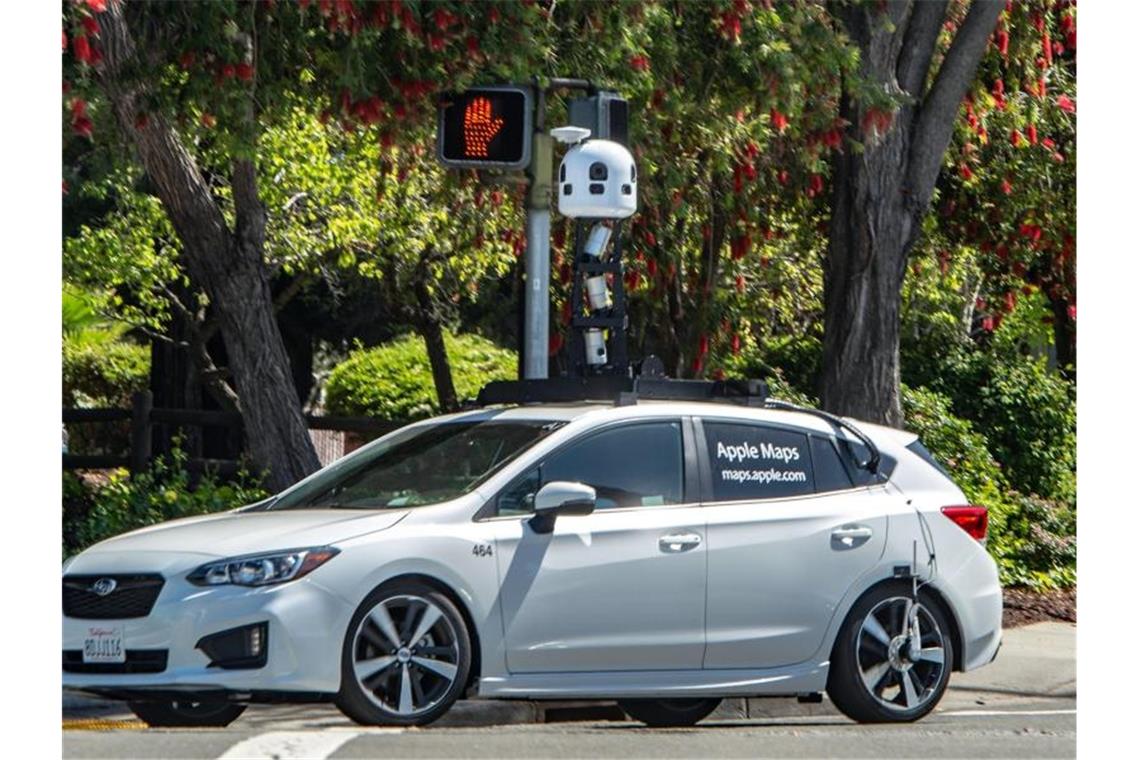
306,623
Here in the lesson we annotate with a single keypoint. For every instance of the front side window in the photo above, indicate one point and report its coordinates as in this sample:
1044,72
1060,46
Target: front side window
423,465
638,465
752,462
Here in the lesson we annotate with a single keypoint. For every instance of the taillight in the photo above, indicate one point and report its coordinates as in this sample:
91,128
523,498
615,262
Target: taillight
970,518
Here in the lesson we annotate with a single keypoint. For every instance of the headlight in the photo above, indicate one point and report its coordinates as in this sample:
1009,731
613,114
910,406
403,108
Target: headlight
262,569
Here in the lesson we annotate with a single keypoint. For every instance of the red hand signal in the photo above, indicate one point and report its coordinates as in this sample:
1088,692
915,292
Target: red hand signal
479,127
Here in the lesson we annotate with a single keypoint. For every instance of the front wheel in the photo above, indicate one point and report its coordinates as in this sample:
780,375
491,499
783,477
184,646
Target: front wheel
664,713
186,714
892,659
406,657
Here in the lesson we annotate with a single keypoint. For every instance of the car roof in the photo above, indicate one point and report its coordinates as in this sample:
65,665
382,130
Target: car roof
601,412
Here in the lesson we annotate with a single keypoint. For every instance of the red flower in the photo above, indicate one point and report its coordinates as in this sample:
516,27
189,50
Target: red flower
1015,138
779,121
965,173
1065,103
228,71
740,283
815,185
208,120
735,343
81,48
1048,143
64,33
782,176
1006,187
698,364
639,63
703,344
98,6
650,239
1072,311
1031,132
988,324
1003,42
244,71
83,127
91,26
651,267
78,108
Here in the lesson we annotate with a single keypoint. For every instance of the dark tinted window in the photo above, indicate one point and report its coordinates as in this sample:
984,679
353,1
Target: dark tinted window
855,454
638,465
757,462
830,474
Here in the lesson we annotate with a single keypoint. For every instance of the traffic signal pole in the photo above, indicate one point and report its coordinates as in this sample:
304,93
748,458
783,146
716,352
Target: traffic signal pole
536,324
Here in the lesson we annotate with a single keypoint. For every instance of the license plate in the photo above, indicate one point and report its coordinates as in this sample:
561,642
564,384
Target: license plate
104,645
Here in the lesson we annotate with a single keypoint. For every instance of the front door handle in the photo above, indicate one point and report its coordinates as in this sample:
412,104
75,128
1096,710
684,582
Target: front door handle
675,543
850,536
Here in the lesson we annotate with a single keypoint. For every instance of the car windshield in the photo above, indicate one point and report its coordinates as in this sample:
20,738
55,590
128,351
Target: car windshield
422,465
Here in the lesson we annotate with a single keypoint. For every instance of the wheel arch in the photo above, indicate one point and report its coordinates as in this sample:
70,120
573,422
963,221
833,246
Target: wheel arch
468,619
936,595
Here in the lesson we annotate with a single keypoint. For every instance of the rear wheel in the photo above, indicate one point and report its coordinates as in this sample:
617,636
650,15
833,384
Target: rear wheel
185,714
406,657
892,659
662,713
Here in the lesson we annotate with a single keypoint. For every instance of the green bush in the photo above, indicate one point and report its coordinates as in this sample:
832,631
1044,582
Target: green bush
1032,539
103,373
1029,415
394,381
96,511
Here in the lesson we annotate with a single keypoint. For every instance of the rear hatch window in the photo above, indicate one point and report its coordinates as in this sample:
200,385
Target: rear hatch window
924,453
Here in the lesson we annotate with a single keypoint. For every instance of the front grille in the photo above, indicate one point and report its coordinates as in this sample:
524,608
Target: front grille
138,661
132,597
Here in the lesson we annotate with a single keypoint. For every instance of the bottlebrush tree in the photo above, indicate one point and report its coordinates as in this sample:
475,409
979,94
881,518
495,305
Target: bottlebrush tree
191,87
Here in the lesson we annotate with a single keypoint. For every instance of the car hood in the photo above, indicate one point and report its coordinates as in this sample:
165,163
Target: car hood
232,533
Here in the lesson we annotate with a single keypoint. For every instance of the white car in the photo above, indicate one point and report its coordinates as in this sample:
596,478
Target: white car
664,554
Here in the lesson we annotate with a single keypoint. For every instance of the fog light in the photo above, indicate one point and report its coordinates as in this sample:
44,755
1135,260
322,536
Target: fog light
237,648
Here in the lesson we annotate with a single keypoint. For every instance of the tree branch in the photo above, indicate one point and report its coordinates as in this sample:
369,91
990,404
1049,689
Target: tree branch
935,121
922,31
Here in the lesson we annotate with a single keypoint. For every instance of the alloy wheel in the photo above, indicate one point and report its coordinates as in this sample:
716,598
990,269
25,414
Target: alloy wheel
901,654
405,654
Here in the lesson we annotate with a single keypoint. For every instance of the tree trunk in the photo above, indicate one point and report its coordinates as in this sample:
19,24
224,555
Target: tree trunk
430,327
226,264
881,194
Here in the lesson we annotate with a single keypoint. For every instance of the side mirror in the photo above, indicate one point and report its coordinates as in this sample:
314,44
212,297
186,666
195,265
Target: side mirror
561,497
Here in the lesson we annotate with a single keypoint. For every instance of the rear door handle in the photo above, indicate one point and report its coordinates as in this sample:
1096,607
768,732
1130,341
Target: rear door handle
675,543
850,536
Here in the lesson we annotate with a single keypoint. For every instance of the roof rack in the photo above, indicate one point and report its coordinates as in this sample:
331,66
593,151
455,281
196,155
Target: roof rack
621,391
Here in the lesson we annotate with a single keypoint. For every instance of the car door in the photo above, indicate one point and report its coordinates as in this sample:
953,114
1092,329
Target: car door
788,533
622,588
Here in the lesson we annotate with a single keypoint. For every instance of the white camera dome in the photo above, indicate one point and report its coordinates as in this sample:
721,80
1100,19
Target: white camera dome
597,180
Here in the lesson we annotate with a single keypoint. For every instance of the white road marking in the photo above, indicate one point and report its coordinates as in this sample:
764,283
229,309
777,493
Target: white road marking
297,745
991,713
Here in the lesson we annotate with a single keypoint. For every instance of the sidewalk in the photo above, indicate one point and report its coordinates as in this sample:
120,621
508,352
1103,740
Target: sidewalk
1036,662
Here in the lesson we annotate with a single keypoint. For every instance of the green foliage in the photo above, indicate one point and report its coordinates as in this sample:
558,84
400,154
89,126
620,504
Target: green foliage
1032,539
394,381
103,373
1029,415
122,503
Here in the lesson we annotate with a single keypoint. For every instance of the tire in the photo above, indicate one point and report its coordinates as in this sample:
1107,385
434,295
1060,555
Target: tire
876,676
664,713
406,657
186,714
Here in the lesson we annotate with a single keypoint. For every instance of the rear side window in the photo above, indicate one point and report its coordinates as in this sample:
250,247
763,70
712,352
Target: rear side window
830,474
757,462
855,454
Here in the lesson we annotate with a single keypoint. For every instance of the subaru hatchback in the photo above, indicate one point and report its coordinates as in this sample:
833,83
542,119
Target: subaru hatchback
663,554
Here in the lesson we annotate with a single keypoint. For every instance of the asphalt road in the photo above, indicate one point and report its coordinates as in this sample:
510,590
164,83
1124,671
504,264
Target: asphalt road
1023,705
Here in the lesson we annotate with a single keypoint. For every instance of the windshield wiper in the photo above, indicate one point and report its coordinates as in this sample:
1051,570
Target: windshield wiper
872,463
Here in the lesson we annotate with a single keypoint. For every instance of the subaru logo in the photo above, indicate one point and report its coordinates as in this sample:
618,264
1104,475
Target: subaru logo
104,586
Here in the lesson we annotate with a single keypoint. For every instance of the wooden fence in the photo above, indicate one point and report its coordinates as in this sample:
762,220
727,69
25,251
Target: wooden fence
143,415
